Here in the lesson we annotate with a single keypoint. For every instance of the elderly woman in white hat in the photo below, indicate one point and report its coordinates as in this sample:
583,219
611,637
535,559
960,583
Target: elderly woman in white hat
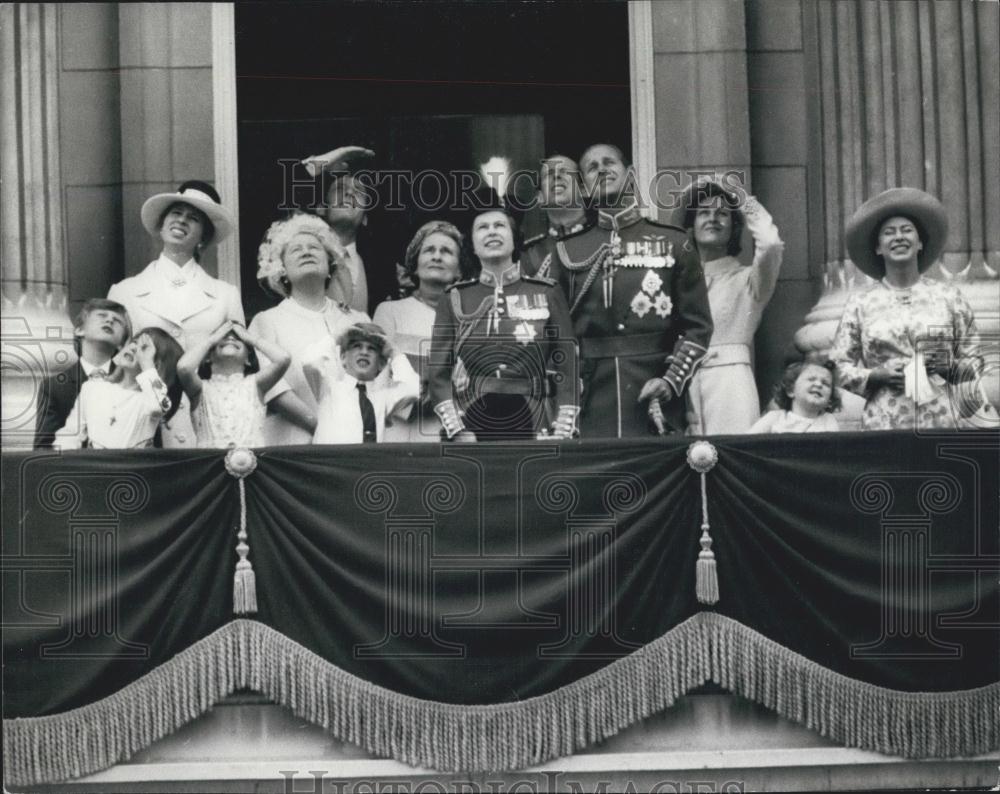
907,341
301,262
174,292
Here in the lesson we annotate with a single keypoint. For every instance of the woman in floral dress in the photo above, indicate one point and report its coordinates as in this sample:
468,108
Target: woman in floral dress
908,341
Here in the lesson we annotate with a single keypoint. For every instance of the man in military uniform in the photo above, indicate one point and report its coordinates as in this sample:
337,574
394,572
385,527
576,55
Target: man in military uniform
560,198
507,329
639,305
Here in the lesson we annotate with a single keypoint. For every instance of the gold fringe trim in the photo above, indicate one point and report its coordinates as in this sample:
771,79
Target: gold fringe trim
245,654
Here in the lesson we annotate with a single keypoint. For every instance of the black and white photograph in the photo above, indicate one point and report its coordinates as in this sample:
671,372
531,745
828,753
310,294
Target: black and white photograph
504,396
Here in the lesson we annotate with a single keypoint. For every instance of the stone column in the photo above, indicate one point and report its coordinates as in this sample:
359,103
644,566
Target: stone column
908,96
37,334
167,112
700,82
224,133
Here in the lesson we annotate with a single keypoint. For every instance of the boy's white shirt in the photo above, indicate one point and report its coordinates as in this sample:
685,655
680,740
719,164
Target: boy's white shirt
393,391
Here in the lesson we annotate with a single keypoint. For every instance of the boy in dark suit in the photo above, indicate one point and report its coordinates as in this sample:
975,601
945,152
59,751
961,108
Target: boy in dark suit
102,328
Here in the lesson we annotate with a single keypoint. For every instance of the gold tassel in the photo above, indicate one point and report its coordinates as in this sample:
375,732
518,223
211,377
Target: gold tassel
706,578
702,457
244,586
241,463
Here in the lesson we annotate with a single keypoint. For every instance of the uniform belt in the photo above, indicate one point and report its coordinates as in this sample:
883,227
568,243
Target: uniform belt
611,346
523,386
725,354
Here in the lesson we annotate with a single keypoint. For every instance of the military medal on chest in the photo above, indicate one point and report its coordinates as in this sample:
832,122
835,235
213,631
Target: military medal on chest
525,310
652,254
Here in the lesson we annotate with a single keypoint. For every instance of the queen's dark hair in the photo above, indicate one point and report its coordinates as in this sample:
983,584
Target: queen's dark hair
474,265
791,374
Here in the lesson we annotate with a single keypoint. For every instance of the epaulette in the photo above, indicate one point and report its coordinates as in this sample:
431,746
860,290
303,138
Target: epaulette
458,284
536,279
586,227
670,226
536,239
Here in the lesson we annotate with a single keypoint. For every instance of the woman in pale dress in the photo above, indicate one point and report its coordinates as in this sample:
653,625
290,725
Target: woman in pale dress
908,344
225,384
298,260
174,292
723,394
433,262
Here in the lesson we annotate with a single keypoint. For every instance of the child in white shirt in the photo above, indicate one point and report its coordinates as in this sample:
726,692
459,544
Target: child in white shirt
359,381
807,397
123,410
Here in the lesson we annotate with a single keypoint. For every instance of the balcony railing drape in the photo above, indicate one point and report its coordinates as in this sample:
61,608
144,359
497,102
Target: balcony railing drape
492,606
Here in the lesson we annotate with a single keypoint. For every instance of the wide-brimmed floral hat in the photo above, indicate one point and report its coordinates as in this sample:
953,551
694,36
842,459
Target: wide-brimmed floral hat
270,262
926,211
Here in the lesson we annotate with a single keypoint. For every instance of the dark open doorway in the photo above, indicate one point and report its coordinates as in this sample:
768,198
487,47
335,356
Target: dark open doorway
426,86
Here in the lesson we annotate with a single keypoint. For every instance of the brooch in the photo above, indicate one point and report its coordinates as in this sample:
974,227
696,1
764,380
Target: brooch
651,297
525,333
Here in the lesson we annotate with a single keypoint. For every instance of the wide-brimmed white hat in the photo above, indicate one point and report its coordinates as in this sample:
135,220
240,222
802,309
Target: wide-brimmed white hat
199,195
917,205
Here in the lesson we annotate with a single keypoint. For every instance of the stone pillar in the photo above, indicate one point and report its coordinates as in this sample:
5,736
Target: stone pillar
700,83
36,333
908,96
224,133
165,51
782,126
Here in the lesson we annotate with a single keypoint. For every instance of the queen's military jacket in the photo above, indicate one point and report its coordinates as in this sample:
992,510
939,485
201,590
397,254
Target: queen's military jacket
513,335
640,310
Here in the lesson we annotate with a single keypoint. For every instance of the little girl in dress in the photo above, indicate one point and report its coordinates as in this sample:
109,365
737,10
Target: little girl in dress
807,396
226,385
123,410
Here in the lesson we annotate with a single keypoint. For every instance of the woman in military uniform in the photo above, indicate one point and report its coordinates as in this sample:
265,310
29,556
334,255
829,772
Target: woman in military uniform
513,335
